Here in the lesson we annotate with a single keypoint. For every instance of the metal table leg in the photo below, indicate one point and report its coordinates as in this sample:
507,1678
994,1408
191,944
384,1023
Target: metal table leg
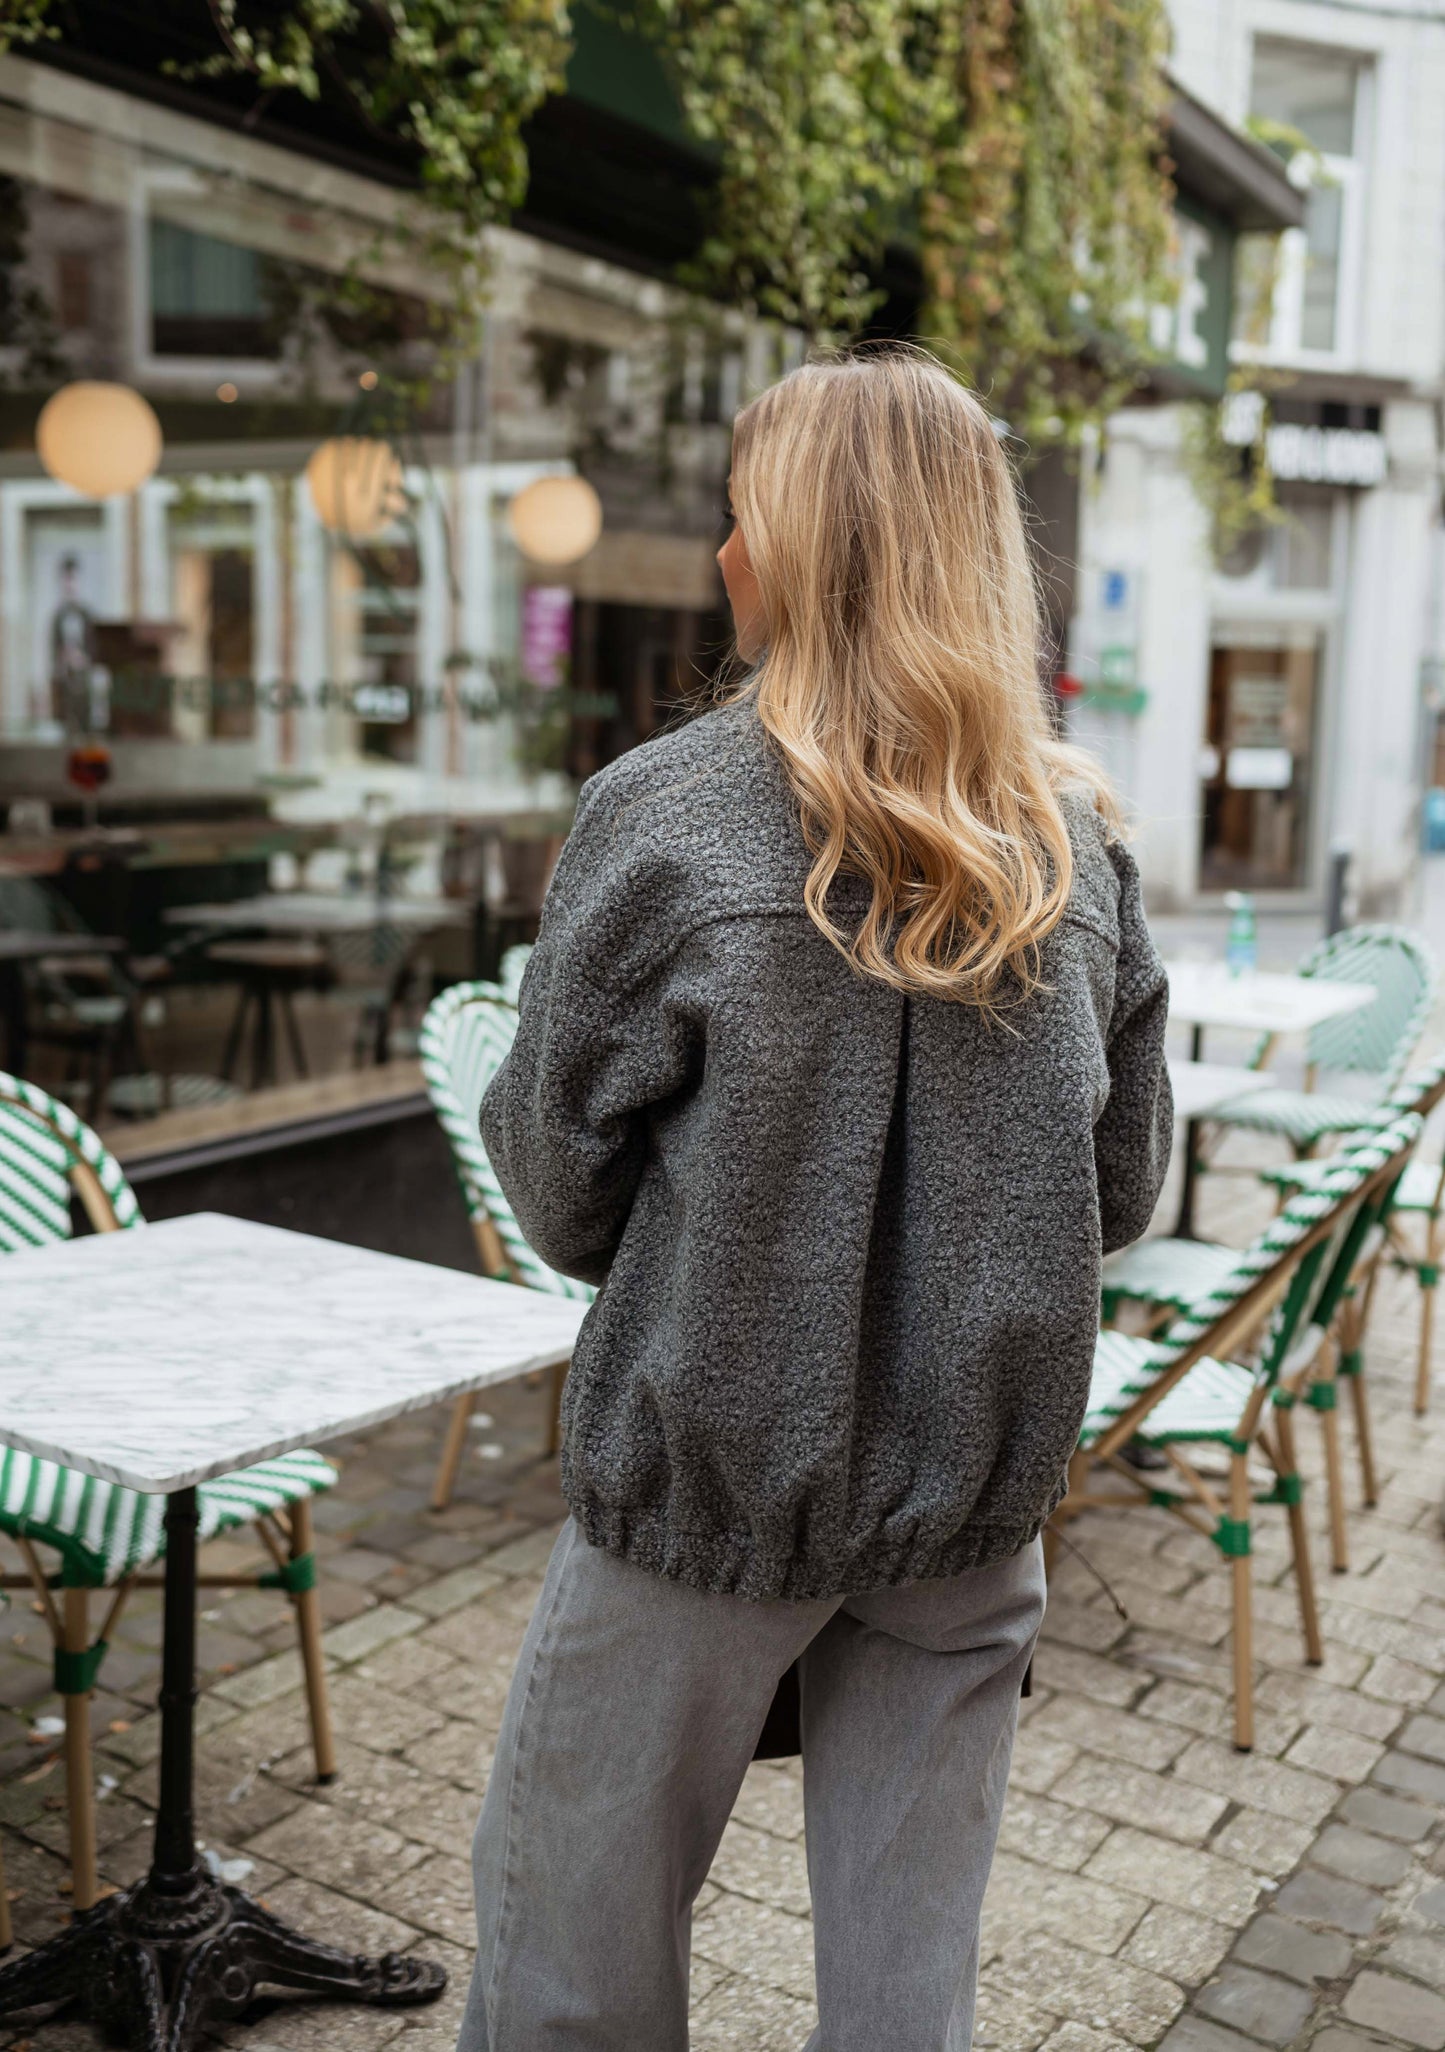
160,1964
1184,1224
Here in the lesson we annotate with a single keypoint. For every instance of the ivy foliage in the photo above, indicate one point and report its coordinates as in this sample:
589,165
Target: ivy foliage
1017,144
455,79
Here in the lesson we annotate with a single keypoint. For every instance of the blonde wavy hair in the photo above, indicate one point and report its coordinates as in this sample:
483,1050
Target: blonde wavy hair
899,681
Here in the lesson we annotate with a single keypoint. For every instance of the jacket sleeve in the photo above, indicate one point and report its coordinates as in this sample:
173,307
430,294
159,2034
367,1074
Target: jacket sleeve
565,1119
1134,1135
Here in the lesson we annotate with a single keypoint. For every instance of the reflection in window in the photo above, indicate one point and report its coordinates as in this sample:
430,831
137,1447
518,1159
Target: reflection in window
206,297
376,597
212,552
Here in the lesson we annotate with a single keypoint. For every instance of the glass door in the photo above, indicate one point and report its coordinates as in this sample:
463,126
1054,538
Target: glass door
1259,766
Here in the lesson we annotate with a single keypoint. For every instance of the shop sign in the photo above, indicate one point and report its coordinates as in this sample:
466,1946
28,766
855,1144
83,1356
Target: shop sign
1319,455
1300,453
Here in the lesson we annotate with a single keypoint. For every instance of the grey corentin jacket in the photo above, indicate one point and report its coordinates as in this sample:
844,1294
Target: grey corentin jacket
848,1244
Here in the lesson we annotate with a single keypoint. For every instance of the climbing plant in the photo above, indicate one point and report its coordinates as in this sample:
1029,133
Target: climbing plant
1016,143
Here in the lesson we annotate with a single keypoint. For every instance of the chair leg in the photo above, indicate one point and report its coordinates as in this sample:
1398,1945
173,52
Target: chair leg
452,1450
1304,1573
286,1006
1243,1634
308,1628
1428,1272
233,1036
79,1782
1334,1474
1364,1433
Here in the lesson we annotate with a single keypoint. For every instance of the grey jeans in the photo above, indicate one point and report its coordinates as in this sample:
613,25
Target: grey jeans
629,1727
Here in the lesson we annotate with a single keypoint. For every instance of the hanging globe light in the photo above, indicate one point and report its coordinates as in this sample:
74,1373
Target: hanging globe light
98,438
356,486
556,519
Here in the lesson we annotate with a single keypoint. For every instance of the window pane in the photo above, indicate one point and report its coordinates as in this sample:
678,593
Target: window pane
1302,542
1323,213
205,294
1311,90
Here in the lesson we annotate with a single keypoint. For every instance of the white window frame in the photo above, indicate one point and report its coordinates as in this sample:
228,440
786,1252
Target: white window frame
1350,175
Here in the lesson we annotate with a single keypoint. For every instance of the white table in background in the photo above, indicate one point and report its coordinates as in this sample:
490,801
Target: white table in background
322,912
158,1359
1203,994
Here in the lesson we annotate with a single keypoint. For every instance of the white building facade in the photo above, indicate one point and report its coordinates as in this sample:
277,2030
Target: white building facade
1285,700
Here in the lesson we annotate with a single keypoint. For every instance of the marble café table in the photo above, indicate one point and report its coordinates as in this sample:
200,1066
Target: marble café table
1263,1001
158,1359
1199,1087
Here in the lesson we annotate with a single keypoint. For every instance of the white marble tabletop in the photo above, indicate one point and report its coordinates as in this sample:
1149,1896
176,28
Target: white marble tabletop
1201,1087
321,912
166,1355
1260,1000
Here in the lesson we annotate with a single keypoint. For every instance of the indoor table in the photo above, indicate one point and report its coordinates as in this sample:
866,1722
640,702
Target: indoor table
187,1349
315,913
1203,994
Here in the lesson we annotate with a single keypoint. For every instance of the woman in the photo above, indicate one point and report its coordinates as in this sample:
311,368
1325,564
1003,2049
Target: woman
841,1061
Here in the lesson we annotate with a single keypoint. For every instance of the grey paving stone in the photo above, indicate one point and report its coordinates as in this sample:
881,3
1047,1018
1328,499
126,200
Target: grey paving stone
1424,1734
1419,1953
1371,1811
1198,2034
1263,2005
1431,1904
1360,1856
1382,2002
1318,1898
1288,1948
1337,2039
1408,1775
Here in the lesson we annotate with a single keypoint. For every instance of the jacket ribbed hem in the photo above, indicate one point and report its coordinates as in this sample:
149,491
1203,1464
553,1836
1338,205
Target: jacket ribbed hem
733,1563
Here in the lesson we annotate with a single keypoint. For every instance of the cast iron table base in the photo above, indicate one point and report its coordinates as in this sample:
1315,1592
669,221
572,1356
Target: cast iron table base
156,1966
156,1972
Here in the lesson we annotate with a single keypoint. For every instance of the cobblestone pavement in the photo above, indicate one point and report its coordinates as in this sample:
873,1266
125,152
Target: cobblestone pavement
1152,1884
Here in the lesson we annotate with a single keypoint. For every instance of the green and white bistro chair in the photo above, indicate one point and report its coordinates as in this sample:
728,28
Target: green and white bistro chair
101,1536
465,1037
1166,1275
1418,1195
1370,1047
1225,1377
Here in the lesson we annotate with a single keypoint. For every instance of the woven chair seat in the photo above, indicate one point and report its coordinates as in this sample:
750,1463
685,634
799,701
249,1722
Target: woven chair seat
1301,1116
1206,1405
1164,1271
104,1532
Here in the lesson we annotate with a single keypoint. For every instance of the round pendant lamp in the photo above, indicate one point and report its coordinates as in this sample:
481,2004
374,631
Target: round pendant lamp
98,438
356,485
556,519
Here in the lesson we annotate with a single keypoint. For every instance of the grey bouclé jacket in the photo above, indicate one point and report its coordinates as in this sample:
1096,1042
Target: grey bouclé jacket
848,1242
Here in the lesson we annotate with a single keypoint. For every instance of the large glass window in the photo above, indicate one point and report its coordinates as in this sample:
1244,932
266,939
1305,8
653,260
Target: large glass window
1310,103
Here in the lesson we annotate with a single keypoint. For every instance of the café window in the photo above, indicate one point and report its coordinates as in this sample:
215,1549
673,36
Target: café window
213,599
1312,104
1295,553
206,295
375,637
